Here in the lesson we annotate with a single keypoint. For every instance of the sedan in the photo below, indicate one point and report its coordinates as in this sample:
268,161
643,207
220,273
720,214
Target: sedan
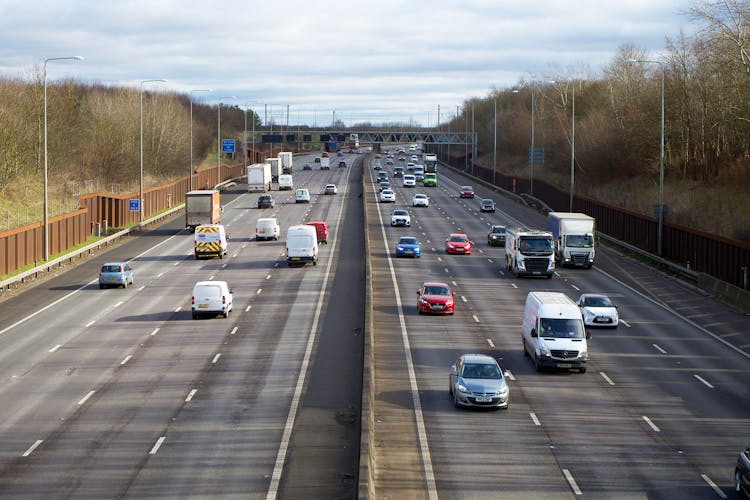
330,189
598,310
389,162
420,200
116,274
387,196
383,185
458,243
488,205
408,246
742,473
306,166
496,236
435,298
466,192
476,380
265,201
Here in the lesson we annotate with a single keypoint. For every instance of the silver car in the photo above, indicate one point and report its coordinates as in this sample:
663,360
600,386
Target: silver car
116,274
598,310
477,380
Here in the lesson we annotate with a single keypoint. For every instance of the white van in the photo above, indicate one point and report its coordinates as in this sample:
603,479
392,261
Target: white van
302,196
285,182
553,332
267,228
210,240
301,245
212,297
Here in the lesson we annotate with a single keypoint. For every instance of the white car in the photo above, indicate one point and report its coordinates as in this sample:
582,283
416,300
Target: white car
420,200
410,166
598,310
387,196
330,189
400,218
409,180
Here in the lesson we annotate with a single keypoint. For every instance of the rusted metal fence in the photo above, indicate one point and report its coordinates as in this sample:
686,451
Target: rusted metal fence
722,258
23,246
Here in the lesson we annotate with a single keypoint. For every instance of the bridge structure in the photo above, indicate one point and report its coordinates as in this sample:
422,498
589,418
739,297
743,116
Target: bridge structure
366,136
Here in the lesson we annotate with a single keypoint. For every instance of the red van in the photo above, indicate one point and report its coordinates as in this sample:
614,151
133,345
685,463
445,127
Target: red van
321,228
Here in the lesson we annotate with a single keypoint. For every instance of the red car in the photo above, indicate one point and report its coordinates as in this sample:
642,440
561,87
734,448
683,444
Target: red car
458,243
466,192
435,298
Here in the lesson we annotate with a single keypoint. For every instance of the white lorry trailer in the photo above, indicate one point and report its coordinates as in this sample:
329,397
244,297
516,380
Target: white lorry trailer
287,161
325,163
259,177
528,252
430,162
275,168
574,238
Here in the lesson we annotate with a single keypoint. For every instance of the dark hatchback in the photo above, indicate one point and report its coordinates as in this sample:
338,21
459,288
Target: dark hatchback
265,201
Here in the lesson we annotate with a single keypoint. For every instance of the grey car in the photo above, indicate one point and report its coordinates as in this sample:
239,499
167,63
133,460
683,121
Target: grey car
496,236
476,380
116,274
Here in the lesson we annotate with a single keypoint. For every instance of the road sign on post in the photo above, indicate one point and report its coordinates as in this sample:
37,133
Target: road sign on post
227,145
536,155
135,205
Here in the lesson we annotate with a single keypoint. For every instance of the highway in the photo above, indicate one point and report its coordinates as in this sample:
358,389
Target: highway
119,393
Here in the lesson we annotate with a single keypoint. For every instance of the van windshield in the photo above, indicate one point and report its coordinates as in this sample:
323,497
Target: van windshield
561,328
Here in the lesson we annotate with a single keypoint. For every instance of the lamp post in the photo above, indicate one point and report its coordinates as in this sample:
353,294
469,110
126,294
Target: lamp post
494,141
46,207
244,144
140,201
572,146
660,229
191,135
218,138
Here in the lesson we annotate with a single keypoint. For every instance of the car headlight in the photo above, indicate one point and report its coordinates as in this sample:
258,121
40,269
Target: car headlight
424,301
399,248
494,237
462,388
544,350
583,355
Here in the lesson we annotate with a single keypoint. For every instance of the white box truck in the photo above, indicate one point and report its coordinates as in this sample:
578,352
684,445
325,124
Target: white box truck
287,162
259,177
553,333
574,238
301,245
325,163
430,162
528,252
275,168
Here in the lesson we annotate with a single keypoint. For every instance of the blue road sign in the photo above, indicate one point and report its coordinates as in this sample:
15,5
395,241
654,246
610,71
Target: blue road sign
536,155
227,145
135,205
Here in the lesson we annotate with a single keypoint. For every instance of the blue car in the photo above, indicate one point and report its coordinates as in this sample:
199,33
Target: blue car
408,246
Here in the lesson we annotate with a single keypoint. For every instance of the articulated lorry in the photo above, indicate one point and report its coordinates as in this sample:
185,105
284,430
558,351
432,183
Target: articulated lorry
430,162
259,177
574,238
529,252
202,207
275,168
287,161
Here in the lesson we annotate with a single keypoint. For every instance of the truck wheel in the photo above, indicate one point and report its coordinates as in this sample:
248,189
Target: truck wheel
582,370
315,262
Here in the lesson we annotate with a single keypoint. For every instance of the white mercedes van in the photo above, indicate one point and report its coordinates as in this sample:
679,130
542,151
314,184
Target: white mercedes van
553,332
301,245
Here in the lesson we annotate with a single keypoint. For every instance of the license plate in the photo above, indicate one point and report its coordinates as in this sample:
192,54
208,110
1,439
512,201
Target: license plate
482,399
409,252
438,307
601,320
295,258
202,306
564,365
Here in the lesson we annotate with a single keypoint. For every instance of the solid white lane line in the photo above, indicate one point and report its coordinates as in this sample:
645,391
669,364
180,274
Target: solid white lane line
605,377
659,349
160,275
509,374
216,358
535,419
463,298
55,348
651,424
157,445
190,395
127,358
713,486
489,341
118,304
86,398
90,323
155,330
32,448
234,330
707,384
475,318
572,482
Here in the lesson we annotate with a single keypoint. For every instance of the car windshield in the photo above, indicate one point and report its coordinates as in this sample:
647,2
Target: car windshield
579,240
400,212
561,328
436,290
387,192
465,188
487,202
420,197
458,239
498,229
111,269
594,301
483,370
408,241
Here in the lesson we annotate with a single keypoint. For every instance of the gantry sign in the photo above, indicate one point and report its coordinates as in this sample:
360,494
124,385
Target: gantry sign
372,137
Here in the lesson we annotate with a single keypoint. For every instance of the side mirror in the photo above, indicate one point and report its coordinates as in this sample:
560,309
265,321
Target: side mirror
222,209
419,293
453,293
453,370
533,332
588,334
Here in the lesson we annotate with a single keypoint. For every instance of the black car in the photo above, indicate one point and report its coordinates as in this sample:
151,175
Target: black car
742,473
265,201
342,164
496,236
306,166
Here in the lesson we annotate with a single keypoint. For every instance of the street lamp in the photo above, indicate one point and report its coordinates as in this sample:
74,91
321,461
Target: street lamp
660,229
572,145
191,134
46,209
494,142
218,139
140,202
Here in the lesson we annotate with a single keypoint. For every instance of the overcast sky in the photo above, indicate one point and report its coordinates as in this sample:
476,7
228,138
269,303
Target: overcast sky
384,60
